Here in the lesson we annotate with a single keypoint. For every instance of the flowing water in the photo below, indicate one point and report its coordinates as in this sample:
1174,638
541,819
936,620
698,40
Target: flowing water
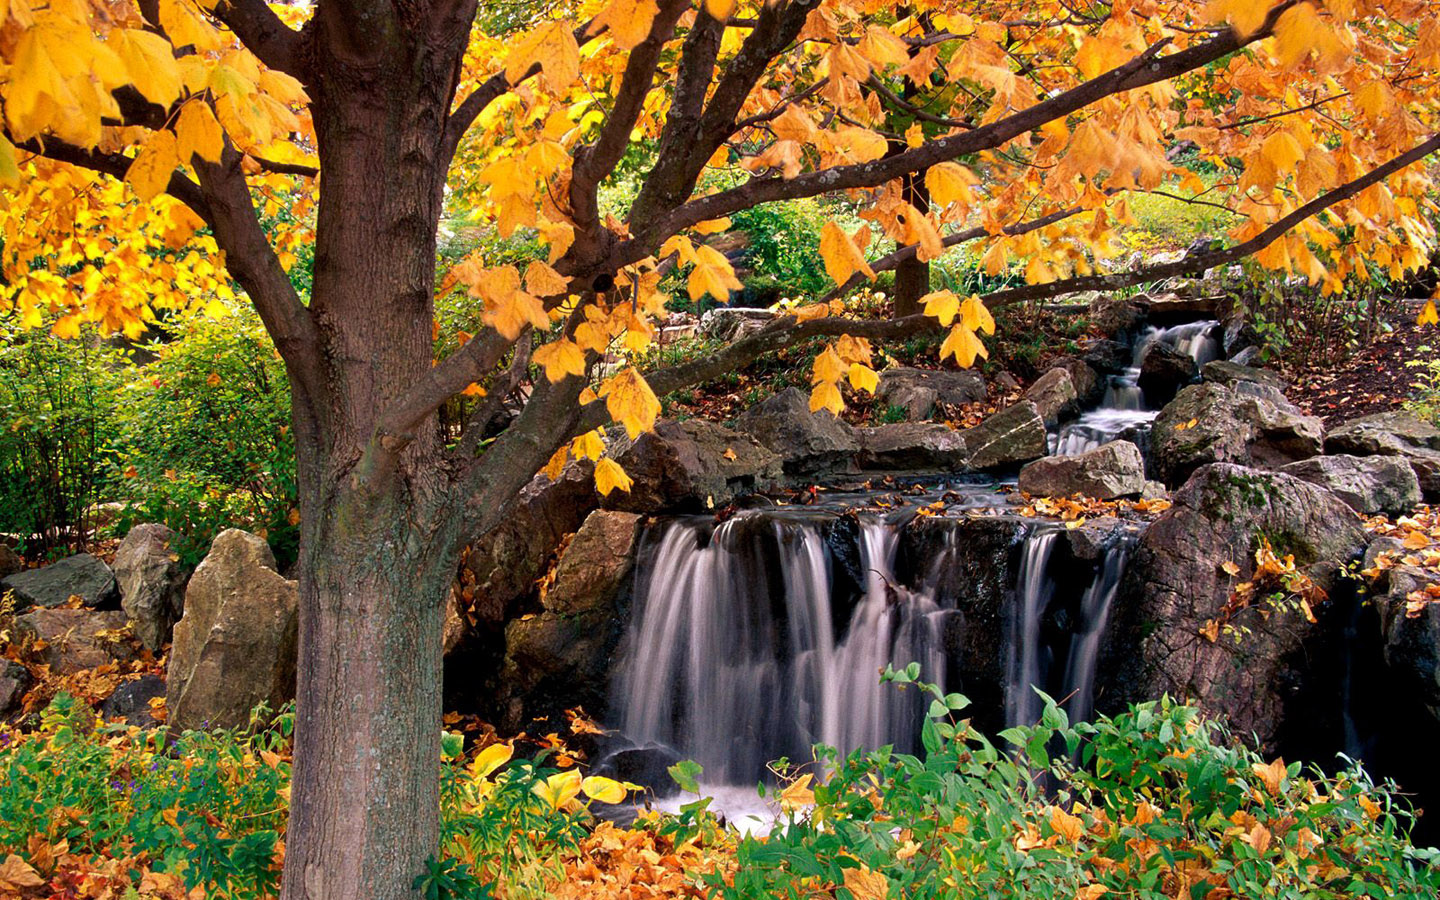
1123,407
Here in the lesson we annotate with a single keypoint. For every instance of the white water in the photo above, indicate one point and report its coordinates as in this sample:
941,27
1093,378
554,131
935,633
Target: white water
1123,406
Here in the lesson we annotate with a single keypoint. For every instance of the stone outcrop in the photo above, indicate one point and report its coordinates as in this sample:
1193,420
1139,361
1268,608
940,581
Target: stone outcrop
733,323
81,575
910,446
1393,434
1177,582
1228,372
130,702
809,443
1163,372
920,391
1089,386
151,581
1011,437
235,646
1368,484
1247,424
1109,471
68,640
692,465
15,680
1054,396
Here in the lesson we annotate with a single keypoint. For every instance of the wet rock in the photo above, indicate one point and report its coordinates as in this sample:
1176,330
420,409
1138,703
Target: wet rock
1230,425
1239,335
69,640
1054,396
910,446
151,581
1393,434
1368,484
646,766
1113,314
560,657
810,443
1163,372
81,575
918,391
15,680
691,466
1111,470
1248,356
1176,583
235,646
733,323
1230,373
1108,357
131,701
1011,437
1091,540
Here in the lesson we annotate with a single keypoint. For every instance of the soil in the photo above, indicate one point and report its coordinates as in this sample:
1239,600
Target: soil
1374,380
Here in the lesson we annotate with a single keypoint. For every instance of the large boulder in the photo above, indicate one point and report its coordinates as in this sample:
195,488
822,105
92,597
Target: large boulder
1109,357
1111,470
919,391
1368,484
1163,372
1089,386
1113,314
152,582
910,446
1246,424
560,656
1409,633
1011,437
1054,396
235,646
69,640
130,702
1228,372
810,443
692,465
81,575
1178,582
728,323
1393,434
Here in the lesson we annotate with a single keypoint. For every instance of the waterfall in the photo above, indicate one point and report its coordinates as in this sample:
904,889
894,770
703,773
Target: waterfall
734,667
1034,589
1123,407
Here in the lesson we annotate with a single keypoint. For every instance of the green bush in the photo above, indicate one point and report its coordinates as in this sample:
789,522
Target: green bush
56,400
203,438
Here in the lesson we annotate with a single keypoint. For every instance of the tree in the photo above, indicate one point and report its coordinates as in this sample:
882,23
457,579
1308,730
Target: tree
222,119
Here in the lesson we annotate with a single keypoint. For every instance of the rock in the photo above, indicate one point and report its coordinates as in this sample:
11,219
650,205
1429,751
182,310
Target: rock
1393,434
691,466
1013,436
1249,356
646,766
810,443
1089,386
235,646
1163,372
131,701
1154,490
81,575
1109,357
10,561
1230,425
1006,382
1054,396
560,657
918,391
69,640
1175,584
1239,335
1111,470
911,445
15,680
1410,643
1113,314
1368,484
152,583
727,323
1230,373
500,569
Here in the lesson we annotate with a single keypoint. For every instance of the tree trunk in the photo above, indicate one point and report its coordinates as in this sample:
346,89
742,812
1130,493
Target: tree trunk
912,276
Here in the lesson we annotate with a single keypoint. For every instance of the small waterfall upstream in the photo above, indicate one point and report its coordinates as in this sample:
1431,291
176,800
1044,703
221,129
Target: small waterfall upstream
1123,407
757,637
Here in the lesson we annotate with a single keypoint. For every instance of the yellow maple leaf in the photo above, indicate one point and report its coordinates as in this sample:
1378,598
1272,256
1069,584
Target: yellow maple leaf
712,226
712,275
630,401
863,884
797,793
1070,828
150,61
560,358
842,258
509,313
628,21
1245,15
543,281
609,476
589,445
950,182
941,305
825,395
863,378
1272,775
150,173
198,132
975,316
1428,315
9,169
964,346
551,45
556,464
828,367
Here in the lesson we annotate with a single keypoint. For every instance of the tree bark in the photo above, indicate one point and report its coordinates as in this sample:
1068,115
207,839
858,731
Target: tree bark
912,275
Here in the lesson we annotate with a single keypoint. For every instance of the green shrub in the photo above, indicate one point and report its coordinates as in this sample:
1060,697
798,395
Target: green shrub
203,437
56,399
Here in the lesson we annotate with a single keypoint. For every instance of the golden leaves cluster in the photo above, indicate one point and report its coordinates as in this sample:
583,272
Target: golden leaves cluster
847,358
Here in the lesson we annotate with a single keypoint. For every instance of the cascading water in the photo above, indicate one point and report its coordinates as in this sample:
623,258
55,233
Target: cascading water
734,661
1123,406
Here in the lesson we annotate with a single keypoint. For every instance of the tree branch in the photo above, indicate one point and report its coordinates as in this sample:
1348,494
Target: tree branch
503,386
261,31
